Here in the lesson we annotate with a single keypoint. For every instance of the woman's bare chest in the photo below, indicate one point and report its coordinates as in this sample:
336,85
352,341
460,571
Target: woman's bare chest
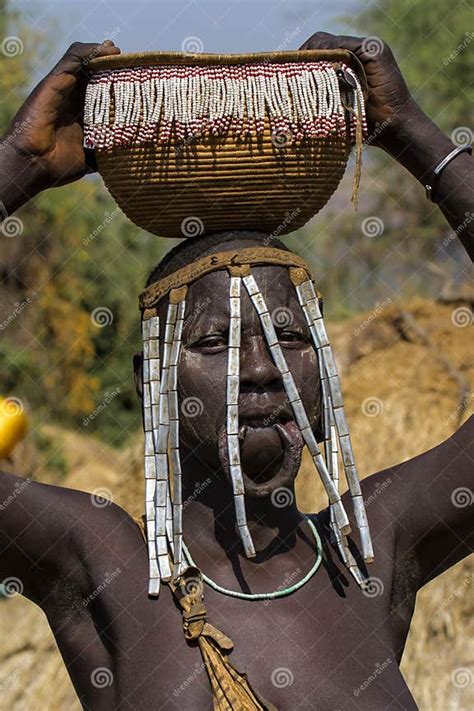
314,649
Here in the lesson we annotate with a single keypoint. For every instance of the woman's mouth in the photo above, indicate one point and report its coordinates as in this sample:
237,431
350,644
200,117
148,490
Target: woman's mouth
270,453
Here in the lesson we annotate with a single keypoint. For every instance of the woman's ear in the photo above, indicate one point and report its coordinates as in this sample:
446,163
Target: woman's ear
138,373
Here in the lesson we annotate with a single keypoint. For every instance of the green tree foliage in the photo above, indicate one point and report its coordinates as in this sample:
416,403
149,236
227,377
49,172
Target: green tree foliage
434,46
416,253
70,284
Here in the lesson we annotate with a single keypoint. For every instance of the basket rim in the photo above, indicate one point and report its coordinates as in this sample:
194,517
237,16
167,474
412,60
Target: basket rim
154,58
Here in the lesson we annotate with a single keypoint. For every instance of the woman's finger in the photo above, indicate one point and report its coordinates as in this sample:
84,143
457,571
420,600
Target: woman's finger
324,40
79,54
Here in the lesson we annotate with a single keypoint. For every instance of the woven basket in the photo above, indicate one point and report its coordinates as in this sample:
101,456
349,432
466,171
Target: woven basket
196,182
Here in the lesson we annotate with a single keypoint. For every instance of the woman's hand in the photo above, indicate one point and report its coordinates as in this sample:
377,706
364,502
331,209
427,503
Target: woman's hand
44,139
389,103
397,124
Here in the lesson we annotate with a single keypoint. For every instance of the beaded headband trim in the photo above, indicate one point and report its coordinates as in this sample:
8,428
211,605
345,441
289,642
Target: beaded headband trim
152,294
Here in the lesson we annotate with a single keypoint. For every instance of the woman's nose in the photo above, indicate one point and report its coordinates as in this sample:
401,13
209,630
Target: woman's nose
257,369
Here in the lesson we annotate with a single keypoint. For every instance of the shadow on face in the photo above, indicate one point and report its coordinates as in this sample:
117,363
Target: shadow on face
263,405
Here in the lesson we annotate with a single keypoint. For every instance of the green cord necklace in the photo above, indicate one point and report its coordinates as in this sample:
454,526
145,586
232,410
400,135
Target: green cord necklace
268,595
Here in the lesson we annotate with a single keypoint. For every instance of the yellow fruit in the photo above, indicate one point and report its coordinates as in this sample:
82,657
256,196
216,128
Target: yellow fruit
13,424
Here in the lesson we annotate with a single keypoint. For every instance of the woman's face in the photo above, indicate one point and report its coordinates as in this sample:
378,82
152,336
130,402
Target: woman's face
270,442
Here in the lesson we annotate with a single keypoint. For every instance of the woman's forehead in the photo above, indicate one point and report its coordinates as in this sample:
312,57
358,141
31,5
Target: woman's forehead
273,281
207,302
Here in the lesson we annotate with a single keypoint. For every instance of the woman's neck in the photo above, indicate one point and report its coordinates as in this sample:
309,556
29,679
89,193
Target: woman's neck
209,522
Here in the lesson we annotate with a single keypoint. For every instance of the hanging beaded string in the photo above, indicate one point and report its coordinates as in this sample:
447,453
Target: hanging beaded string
176,296
161,433
295,400
331,451
309,303
232,408
302,98
151,385
331,463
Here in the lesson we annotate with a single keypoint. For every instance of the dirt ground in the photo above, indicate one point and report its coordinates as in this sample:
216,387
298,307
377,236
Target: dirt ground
407,374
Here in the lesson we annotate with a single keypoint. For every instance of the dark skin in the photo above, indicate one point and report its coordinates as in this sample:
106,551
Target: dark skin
329,635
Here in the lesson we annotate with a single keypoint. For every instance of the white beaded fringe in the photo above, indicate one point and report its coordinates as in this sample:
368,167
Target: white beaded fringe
149,103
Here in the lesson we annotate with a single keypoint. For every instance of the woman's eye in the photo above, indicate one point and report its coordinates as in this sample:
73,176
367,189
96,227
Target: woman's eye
214,341
292,337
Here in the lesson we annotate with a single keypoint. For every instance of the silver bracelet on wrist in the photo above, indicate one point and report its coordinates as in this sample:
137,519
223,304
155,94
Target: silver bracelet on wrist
429,188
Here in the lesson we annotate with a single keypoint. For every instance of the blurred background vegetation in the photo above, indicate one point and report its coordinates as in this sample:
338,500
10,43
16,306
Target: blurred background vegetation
408,374
77,251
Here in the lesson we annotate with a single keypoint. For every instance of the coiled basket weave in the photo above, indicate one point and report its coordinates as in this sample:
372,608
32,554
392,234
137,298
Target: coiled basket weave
197,143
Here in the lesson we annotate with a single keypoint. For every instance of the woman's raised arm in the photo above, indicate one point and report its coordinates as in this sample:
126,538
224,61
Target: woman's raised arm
397,124
42,147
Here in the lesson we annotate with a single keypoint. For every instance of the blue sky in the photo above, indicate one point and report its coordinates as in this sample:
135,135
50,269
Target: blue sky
212,25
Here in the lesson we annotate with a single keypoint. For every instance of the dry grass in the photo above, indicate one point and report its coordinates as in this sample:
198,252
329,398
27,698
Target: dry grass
417,398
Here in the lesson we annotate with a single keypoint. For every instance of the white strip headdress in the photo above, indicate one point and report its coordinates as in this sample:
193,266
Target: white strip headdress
164,507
